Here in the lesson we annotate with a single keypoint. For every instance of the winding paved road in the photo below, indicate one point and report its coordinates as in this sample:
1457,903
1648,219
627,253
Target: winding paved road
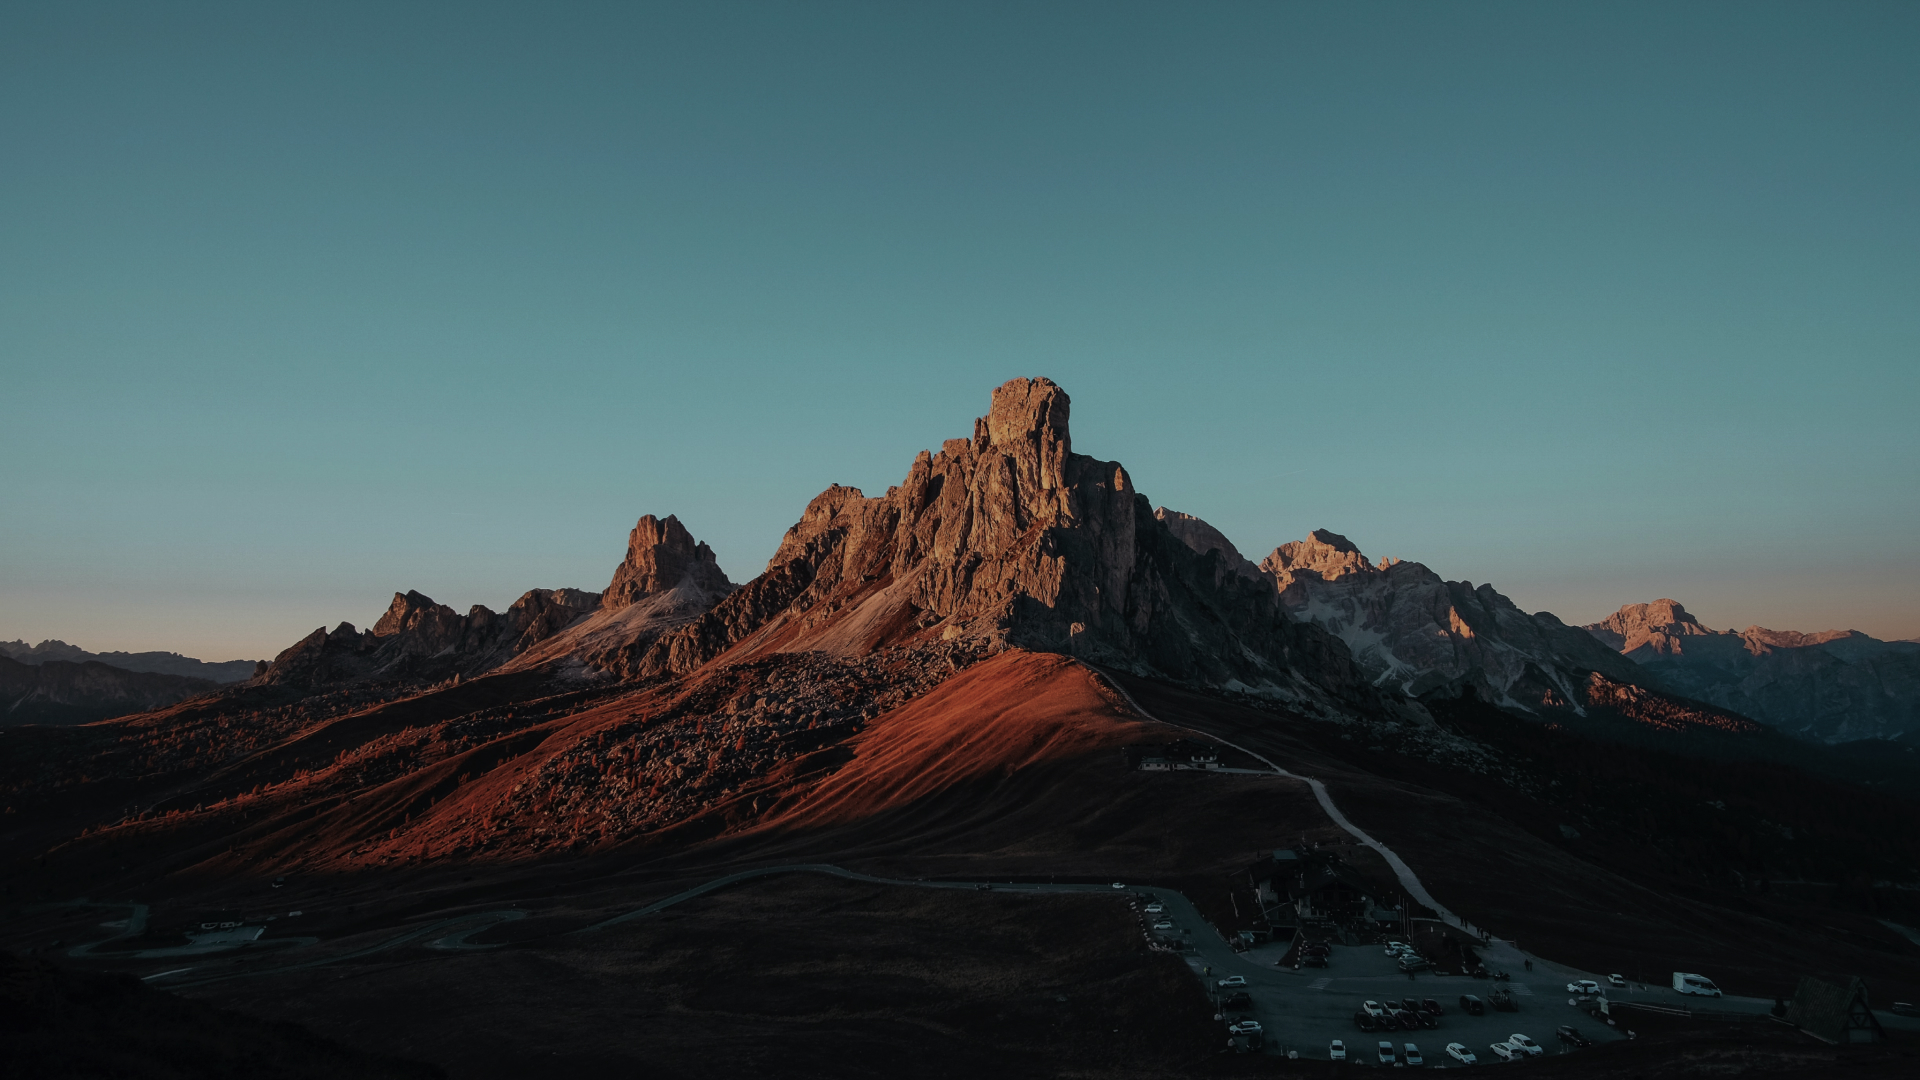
1408,879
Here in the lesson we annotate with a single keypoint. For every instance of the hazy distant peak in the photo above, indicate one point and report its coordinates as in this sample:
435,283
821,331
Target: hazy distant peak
1635,624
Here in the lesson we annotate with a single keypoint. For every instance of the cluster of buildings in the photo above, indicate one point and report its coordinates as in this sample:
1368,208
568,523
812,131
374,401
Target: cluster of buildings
1311,887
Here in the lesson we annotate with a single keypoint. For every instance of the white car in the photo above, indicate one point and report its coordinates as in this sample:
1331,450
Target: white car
1156,908
1244,1027
1387,1056
1337,1050
1163,924
1617,980
1373,1008
1119,885
1525,1045
1504,1052
1583,986
1412,1057
1461,1054
1234,980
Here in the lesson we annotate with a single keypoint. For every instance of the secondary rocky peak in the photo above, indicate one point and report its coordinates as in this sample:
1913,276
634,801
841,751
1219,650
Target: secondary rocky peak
661,555
1636,625
1326,554
1202,537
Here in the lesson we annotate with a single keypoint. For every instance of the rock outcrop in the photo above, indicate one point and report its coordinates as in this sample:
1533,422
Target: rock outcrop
1833,686
1009,538
662,556
667,580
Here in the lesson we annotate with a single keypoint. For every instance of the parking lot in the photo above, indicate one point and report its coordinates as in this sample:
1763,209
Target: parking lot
1303,1010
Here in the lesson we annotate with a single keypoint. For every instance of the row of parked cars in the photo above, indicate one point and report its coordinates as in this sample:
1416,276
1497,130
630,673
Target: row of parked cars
1500,1000
1406,1015
1409,957
1410,1054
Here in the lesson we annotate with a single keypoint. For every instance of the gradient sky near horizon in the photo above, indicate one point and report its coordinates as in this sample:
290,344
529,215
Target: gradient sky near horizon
304,304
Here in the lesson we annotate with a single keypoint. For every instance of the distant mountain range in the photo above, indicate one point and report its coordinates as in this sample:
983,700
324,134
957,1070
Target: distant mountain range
59,692
1055,551
1833,686
1408,628
165,663
57,683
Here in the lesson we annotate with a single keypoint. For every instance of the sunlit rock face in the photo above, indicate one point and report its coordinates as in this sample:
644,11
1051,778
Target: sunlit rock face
1835,686
1009,538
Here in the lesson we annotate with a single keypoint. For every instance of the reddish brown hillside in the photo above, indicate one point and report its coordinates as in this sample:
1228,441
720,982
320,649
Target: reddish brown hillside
1016,711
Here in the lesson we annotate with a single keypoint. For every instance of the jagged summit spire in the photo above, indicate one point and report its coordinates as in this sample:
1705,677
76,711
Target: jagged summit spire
660,555
1023,409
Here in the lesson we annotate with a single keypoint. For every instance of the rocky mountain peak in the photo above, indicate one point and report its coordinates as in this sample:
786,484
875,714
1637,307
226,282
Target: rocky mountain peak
1008,539
1325,554
1027,412
1636,624
661,555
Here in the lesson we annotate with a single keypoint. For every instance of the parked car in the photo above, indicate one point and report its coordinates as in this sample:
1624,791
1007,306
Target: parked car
1461,1054
1472,1005
1431,1006
1525,1045
1234,980
1572,1037
1244,1027
1237,1001
1387,1056
1617,980
1395,946
1155,908
1412,1057
1583,986
1502,1000
1374,1008
1163,924
1503,1051
1365,1021
1337,1050
1904,1008
1411,964
1314,960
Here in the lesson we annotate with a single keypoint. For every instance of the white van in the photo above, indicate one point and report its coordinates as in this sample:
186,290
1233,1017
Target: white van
1694,984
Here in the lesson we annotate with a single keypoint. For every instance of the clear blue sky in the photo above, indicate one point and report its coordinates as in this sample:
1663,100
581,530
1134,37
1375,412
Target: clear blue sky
303,304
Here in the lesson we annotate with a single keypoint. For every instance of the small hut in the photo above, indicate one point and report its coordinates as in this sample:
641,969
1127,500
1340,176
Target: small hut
1834,1012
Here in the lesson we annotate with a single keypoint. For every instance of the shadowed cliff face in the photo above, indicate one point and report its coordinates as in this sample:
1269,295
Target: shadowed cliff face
1009,538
